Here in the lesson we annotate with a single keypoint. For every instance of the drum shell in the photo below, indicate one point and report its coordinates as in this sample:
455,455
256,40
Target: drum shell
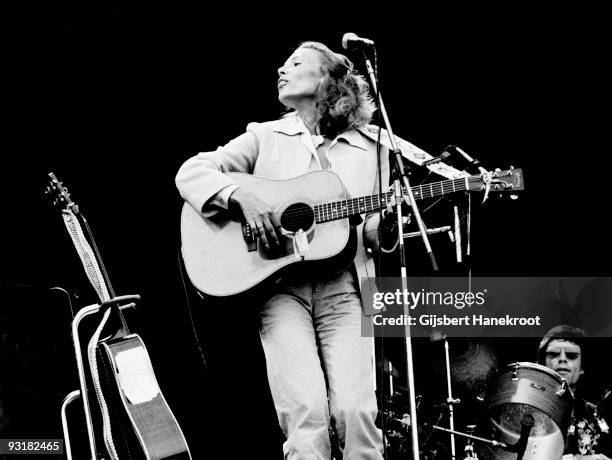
526,388
533,385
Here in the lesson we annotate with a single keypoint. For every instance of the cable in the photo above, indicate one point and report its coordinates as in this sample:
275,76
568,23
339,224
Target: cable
189,311
68,296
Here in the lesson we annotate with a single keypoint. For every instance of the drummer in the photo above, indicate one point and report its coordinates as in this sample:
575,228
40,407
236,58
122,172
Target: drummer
588,437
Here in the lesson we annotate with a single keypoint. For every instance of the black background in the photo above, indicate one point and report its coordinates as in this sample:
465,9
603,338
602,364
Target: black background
113,99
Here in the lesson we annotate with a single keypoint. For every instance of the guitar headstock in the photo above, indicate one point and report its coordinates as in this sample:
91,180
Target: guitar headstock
510,180
59,194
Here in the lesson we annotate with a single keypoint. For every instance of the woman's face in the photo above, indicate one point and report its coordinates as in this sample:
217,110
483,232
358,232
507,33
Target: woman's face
300,77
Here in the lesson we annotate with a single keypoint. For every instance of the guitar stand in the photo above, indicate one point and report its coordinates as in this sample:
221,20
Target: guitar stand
67,400
82,393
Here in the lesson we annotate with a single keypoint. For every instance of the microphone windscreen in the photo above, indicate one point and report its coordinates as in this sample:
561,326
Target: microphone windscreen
345,39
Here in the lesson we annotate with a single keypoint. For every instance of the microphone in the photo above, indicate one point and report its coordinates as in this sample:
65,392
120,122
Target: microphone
350,41
520,447
456,157
443,156
471,161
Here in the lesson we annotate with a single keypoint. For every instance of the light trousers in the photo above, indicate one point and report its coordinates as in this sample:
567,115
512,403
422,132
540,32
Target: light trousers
320,368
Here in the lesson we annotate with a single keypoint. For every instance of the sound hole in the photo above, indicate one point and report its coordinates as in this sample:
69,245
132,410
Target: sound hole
297,216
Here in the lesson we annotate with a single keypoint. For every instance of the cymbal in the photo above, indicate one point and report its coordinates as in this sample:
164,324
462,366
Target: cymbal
472,364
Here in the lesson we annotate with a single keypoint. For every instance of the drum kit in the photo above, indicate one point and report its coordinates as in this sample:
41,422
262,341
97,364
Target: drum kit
524,414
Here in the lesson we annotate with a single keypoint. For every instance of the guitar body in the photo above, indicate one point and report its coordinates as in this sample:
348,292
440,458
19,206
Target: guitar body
220,261
143,426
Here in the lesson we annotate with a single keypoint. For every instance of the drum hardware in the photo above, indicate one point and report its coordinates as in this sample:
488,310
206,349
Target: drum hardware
492,442
468,450
527,423
528,408
430,231
603,425
603,410
515,371
552,395
449,407
450,401
537,386
564,387
398,425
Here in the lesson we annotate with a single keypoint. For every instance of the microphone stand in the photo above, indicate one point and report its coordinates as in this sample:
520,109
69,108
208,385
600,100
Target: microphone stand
451,401
399,162
401,175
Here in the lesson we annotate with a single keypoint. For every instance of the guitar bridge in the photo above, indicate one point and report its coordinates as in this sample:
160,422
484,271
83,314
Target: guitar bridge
249,237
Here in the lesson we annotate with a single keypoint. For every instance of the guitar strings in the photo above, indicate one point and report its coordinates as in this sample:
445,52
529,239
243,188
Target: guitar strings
328,209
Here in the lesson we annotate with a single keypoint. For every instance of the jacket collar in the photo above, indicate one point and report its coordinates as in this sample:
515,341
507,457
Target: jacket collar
293,125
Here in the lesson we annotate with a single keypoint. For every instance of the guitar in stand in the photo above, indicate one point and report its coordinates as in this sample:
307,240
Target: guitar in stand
136,420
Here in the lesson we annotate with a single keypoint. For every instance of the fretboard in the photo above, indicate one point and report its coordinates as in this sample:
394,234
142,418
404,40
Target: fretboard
334,210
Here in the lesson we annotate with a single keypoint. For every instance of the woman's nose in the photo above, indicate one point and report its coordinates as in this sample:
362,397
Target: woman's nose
281,71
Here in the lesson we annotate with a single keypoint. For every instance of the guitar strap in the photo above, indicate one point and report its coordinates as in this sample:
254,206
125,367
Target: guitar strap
94,274
411,152
86,254
93,363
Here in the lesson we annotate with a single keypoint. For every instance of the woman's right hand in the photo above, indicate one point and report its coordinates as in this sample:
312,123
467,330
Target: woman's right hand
259,215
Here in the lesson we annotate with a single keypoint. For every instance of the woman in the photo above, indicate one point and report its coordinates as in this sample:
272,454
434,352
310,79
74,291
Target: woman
320,369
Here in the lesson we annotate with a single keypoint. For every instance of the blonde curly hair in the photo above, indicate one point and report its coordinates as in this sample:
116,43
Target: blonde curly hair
343,100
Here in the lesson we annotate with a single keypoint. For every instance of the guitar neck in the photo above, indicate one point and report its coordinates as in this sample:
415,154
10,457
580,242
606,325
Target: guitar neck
335,210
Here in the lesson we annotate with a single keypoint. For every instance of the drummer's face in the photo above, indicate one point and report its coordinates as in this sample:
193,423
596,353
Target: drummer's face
565,358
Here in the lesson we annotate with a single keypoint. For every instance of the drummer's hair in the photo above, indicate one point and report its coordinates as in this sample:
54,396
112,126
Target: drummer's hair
562,332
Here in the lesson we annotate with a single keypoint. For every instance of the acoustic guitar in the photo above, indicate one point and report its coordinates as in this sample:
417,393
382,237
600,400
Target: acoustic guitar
137,422
222,258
